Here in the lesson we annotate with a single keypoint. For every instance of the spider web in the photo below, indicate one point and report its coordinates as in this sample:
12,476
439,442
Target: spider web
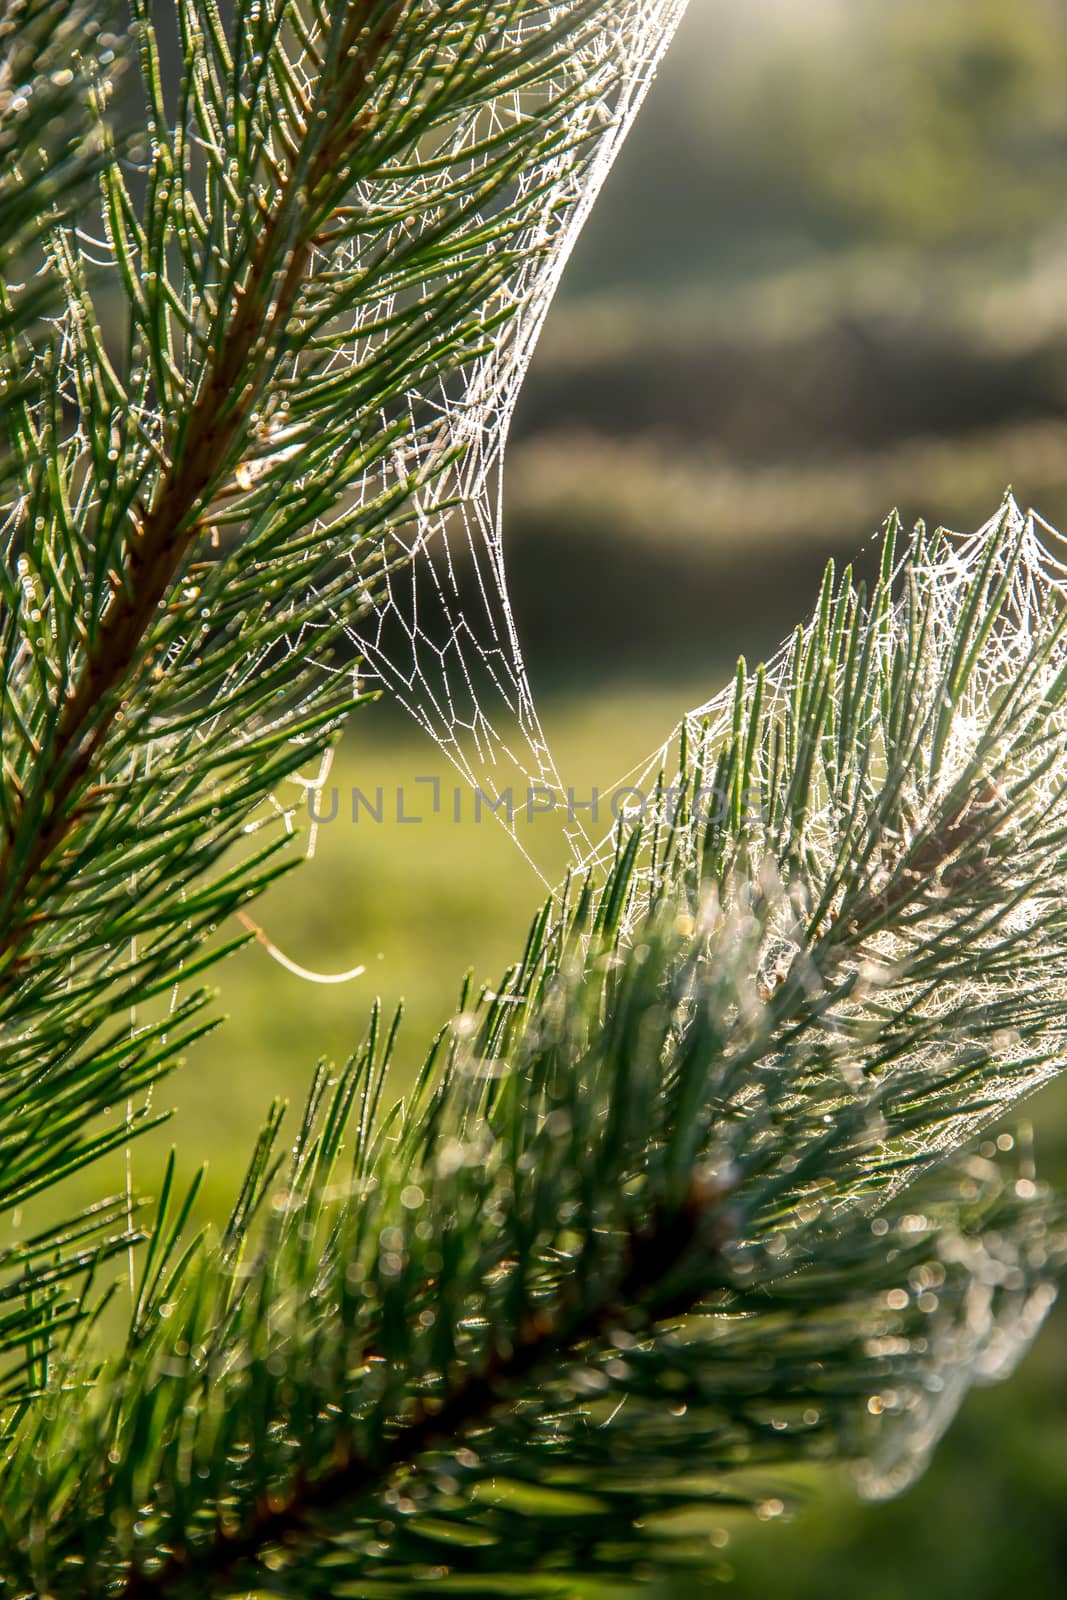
1015,565
442,637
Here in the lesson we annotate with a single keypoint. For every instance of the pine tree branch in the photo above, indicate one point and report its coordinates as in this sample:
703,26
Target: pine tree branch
218,712
217,423
637,1300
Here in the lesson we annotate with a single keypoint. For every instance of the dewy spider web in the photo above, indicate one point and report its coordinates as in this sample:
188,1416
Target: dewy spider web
1012,568
442,638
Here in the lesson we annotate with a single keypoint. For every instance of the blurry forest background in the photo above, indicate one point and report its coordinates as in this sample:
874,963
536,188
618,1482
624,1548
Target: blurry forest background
828,277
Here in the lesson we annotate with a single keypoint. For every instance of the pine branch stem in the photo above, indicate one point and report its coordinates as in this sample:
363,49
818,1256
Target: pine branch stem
641,1295
217,421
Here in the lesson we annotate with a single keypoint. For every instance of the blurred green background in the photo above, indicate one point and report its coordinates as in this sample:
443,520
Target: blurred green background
828,277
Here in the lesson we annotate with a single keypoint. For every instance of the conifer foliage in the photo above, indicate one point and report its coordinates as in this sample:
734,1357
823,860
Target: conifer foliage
689,1193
